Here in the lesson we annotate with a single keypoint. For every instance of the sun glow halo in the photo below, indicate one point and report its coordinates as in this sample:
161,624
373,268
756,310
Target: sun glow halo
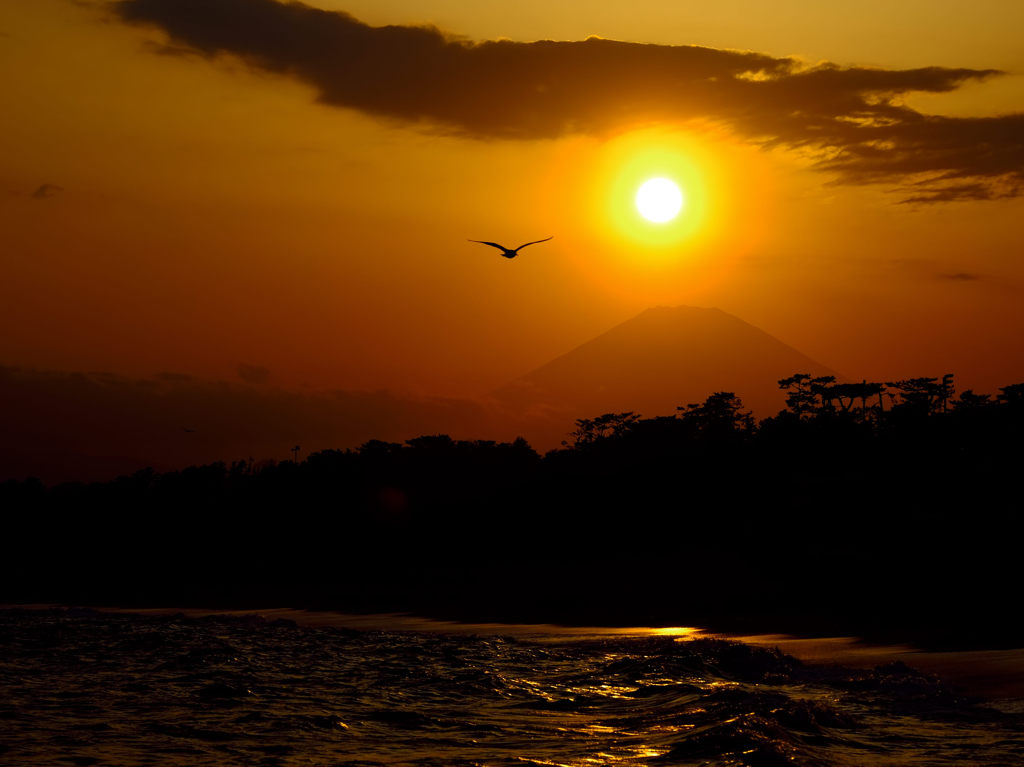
659,200
602,179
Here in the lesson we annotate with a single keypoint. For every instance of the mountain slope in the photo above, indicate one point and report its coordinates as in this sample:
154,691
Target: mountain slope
663,358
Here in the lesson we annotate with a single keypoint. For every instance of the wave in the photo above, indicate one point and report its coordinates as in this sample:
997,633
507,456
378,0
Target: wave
94,688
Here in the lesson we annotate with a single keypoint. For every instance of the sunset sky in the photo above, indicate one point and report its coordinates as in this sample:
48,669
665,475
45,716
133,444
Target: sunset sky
194,185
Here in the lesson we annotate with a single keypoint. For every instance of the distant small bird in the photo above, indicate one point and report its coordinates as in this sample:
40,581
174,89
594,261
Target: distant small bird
510,253
186,429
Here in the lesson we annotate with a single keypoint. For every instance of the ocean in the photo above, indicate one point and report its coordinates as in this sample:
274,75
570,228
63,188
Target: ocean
79,687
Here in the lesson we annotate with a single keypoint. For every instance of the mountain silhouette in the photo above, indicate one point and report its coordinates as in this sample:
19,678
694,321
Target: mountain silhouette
663,358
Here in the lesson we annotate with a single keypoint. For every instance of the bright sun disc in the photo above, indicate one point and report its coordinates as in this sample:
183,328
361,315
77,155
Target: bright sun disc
659,200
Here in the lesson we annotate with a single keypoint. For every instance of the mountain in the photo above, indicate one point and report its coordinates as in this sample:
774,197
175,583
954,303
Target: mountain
62,425
662,358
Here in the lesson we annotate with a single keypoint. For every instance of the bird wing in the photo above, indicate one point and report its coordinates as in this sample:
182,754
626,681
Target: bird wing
536,241
492,244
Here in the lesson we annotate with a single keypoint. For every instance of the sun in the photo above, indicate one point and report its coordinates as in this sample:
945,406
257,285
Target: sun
655,194
659,200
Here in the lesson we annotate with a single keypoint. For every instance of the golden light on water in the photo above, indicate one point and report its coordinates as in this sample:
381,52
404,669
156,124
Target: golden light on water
677,631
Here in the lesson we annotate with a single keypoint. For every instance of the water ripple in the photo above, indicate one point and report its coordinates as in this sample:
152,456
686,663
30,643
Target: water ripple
87,688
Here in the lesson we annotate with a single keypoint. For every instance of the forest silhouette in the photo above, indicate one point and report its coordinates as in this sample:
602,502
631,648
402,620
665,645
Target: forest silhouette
885,510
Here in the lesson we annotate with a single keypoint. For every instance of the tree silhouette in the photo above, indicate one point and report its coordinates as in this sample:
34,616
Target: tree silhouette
720,414
847,394
970,401
1012,395
946,391
590,430
924,395
805,392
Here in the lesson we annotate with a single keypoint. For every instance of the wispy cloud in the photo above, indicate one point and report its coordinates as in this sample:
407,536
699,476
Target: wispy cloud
46,191
852,120
961,276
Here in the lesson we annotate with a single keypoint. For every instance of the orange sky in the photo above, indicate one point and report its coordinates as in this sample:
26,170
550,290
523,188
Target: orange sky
164,210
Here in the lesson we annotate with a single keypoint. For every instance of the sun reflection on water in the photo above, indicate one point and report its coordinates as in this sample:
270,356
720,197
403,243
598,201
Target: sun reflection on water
688,632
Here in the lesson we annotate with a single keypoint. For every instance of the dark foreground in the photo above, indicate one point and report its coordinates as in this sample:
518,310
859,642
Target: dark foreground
84,688
837,517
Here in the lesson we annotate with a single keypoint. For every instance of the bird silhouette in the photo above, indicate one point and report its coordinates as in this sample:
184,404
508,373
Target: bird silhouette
511,252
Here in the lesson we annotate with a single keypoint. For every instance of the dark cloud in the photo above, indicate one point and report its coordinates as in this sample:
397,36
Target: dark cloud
253,374
46,191
852,119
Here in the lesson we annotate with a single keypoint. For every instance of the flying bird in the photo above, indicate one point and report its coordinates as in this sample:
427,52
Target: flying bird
510,252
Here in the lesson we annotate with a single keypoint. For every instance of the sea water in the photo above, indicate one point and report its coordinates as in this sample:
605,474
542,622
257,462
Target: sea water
85,688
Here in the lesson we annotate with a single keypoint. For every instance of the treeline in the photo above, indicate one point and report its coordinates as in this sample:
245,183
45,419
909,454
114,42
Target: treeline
899,405
861,507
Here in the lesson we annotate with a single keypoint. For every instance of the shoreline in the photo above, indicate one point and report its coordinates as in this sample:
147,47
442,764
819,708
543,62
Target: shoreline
986,674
